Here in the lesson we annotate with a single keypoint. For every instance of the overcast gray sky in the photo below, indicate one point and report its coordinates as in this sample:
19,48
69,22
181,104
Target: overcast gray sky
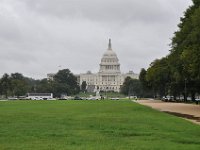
42,36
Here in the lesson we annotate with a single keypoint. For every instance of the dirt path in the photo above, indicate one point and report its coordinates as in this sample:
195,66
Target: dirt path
190,112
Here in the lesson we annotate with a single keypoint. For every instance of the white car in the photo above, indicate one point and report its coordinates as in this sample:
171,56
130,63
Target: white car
12,98
93,98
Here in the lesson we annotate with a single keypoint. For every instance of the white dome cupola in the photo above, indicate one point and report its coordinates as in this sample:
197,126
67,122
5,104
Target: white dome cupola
109,62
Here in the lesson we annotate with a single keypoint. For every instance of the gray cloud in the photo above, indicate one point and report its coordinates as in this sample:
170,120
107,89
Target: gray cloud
112,10
37,36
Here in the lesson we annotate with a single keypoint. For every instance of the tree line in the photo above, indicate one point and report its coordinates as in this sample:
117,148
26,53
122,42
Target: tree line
134,87
16,84
178,74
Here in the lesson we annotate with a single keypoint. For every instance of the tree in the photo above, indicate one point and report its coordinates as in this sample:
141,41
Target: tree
146,90
45,86
19,86
131,87
158,77
178,73
142,77
5,84
65,82
83,86
185,50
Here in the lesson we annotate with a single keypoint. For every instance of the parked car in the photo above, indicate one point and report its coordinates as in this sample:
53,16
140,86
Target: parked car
197,99
168,98
62,99
12,98
114,98
77,98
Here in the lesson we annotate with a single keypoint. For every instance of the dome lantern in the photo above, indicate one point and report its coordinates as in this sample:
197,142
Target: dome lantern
109,45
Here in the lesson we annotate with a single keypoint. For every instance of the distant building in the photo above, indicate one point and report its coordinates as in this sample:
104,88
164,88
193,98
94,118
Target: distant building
109,77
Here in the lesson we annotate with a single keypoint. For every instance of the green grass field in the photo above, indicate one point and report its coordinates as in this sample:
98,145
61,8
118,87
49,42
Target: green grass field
92,125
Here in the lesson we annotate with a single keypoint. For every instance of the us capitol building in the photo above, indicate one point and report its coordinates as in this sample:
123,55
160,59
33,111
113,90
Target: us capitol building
109,77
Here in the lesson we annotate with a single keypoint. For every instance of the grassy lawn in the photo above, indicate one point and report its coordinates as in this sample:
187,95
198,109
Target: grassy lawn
92,125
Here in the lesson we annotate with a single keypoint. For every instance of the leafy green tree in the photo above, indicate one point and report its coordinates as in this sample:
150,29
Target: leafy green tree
5,84
83,86
45,86
131,87
65,82
125,86
178,73
146,90
158,77
185,50
19,86
142,77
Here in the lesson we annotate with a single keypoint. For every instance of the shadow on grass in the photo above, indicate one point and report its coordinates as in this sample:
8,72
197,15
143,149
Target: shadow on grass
187,116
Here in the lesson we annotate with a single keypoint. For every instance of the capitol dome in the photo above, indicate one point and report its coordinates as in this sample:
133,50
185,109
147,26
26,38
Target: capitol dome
109,61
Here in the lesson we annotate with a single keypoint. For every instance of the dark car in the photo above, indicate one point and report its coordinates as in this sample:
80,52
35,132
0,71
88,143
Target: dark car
77,98
62,99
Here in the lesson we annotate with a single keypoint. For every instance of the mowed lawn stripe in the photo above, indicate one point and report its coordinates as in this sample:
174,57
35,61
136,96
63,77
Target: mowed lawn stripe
81,125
